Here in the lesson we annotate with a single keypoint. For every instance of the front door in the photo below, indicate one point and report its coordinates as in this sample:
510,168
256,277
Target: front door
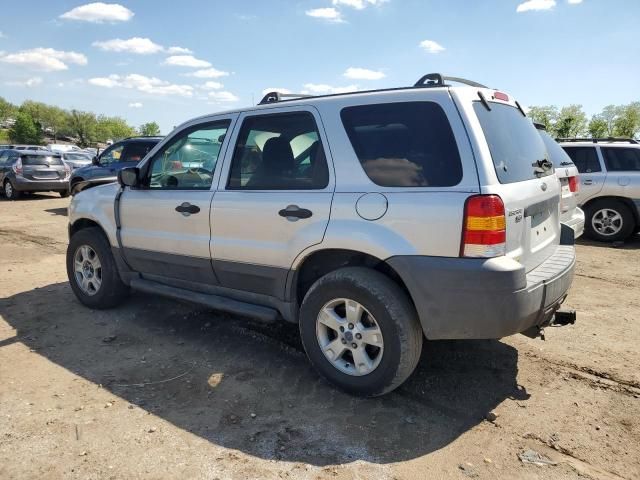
273,199
165,229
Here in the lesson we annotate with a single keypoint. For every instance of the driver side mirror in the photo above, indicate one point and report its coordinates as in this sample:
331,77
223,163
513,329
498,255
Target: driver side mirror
129,177
95,161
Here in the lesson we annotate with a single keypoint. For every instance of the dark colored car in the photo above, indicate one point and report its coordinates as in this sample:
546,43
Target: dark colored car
105,167
77,159
32,171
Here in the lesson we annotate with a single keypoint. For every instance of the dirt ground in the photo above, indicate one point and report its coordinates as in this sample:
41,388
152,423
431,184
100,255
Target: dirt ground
161,390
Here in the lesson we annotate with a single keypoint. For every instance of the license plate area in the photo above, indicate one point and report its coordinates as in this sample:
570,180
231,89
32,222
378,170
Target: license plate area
541,229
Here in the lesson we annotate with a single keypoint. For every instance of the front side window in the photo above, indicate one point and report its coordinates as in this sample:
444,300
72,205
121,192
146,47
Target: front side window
189,160
621,159
279,152
585,158
404,144
111,155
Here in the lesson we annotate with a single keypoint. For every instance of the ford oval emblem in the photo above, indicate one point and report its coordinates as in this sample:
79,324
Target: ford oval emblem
543,187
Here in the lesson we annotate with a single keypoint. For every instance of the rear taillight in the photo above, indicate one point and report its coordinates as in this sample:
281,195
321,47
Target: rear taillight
483,230
17,167
574,184
67,171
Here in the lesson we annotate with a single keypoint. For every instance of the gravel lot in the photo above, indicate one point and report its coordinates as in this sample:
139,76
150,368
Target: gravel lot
158,389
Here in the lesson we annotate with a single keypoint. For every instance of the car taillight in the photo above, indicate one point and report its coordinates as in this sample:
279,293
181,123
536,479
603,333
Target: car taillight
17,168
574,184
483,230
67,171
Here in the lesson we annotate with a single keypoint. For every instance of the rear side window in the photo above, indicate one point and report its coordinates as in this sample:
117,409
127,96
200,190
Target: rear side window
517,150
135,151
621,159
404,144
585,158
33,160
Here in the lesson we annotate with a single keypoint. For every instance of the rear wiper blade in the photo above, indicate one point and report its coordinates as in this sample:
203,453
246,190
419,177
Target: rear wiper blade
542,166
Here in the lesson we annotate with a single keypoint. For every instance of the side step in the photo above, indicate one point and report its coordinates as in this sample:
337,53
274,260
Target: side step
216,302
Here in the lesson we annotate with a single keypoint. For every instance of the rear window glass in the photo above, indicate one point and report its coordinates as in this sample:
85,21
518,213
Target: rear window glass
404,144
40,160
557,155
517,150
621,159
585,158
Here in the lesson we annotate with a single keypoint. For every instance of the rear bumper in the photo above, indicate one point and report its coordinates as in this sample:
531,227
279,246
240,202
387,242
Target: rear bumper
575,222
459,298
25,185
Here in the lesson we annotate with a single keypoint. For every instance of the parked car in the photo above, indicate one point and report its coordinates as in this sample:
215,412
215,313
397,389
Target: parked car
424,218
610,185
105,167
63,147
39,148
570,213
77,159
32,171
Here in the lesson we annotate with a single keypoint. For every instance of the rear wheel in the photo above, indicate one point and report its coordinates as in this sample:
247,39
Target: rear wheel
92,270
609,221
360,331
10,191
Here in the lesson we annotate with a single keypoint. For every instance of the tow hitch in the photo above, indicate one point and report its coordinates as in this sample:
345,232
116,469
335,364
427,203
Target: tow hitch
559,319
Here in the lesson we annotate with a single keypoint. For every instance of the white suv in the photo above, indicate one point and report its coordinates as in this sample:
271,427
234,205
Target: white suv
369,219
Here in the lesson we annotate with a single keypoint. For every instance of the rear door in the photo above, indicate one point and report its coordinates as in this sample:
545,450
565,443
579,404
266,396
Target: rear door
514,164
590,166
42,167
273,200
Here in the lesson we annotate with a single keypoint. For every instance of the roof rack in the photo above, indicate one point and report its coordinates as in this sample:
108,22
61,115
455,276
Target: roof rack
273,97
437,80
596,140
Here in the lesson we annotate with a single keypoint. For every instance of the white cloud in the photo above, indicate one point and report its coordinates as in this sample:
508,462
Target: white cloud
222,97
207,73
574,2
144,84
530,5
140,46
135,105
323,89
178,51
186,61
274,89
363,74
30,82
431,46
211,86
330,14
99,12
44,59
358,4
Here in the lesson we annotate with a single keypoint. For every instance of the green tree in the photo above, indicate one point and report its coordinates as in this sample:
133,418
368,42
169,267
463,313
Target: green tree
6,109
597,127
546,115
609,115
25,130
83,125
627,123
150,129
571,123
56,119
113,128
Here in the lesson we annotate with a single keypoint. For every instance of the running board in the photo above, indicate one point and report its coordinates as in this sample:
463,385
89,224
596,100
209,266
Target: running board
216,302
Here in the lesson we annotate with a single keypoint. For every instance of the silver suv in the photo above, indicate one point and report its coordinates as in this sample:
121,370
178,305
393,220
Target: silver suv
370,220
609,185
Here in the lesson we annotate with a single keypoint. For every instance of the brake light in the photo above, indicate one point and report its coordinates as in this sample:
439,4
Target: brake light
67,171
501,96
484,228
574,184
17,167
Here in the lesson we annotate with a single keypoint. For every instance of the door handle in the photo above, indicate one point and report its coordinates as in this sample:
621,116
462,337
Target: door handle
294,212
187,209
587,182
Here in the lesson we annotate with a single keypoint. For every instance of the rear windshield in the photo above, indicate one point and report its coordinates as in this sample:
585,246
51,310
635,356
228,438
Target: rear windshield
557,155
407,144
41,160
517,150
620,159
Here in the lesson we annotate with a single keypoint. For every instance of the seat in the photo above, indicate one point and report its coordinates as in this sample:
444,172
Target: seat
277,164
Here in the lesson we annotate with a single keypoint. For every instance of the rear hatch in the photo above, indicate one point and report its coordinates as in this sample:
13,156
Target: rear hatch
44,168
525,177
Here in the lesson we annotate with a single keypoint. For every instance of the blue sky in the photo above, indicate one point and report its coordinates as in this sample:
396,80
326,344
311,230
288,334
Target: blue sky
169,61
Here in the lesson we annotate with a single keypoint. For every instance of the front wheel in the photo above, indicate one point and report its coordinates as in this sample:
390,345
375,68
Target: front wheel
609,221
360,331
92,270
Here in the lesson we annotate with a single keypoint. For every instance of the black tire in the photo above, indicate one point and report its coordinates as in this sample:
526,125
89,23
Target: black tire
628,221
394,314
112,291
13,194
64,193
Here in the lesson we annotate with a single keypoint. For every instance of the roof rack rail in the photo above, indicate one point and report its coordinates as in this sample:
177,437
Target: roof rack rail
596,140
437,80
273,97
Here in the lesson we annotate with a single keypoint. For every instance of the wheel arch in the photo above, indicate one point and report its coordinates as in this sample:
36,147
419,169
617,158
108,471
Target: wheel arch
84,223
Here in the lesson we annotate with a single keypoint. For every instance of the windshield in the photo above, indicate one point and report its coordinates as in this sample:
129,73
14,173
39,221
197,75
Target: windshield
517,150
557,155
40,160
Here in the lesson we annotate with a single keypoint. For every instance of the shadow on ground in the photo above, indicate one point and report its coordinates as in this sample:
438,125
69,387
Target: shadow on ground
228,368
62,211
631,243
